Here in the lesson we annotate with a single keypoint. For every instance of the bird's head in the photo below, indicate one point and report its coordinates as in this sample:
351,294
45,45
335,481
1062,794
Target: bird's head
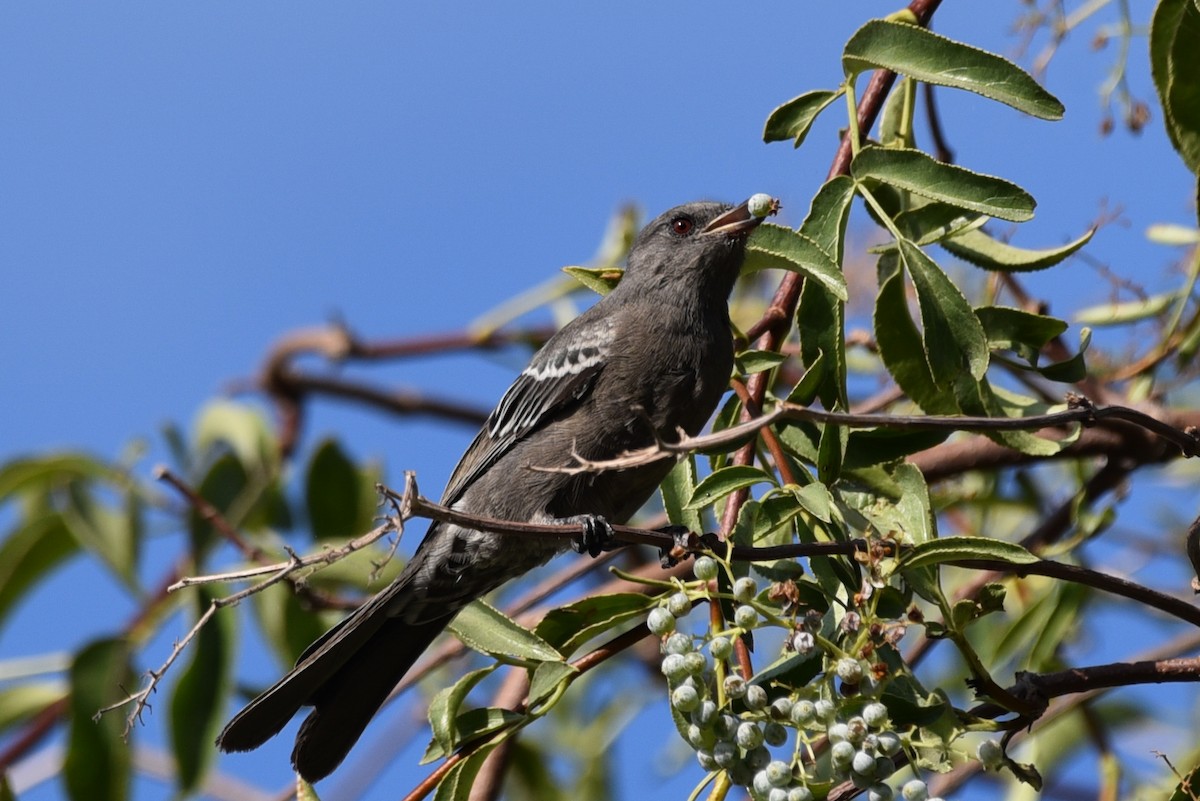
700,244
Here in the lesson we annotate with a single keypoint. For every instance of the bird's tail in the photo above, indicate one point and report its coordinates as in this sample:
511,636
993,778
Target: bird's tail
345,675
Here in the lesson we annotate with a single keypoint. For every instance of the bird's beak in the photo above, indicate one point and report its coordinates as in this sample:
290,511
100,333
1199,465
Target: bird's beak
737,222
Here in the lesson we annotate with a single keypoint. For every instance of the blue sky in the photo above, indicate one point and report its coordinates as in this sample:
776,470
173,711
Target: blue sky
181,183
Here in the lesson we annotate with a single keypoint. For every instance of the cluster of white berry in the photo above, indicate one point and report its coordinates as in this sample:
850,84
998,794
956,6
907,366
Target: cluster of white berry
733,725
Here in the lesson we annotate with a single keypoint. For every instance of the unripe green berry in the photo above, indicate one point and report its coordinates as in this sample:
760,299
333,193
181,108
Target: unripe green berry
761,205
745,616
721,648
725,754
777,794
779,773
839,732
678,643
745,588
849,670
695,662
660,621
888,743
799,794
915,790
863,764
826,709
673,667
749,735
842,753
803,712
705,568
875,714
756,697
679,604
685,698
990,754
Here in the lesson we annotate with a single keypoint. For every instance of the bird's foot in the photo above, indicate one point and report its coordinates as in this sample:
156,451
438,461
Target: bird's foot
595,536
683,542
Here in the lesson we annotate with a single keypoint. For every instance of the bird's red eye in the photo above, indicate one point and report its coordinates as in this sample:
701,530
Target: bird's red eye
682,226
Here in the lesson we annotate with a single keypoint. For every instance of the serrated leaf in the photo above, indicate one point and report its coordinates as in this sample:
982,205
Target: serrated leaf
456,785
1009,328
726,480
677,490
977,248
776,247
921,174
485,629
98,760
932,222
827,215
954,338
446,705
929,57
758,361
957,549
568,627
805,391
198,699
600,280
547,678
475,724
793,119
900,345
30,554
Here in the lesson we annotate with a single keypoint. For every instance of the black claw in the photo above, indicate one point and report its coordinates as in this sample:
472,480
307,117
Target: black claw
595,536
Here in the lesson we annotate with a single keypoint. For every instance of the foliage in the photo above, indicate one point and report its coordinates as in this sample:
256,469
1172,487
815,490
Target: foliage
795,647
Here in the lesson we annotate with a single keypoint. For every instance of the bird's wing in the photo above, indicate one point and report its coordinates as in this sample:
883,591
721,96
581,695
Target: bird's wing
560,375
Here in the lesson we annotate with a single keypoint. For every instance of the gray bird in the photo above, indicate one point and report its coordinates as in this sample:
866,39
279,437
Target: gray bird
650,358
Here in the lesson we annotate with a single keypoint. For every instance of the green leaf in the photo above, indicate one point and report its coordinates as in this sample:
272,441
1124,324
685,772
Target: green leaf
20,702
868,447
900,345
726,480
954,338
29,554
97,763
926,56
475,724
198,700
288,626
44,473
827,215
446,705
458,782
600,280
831,451
1016,329
242,429
677,490
794,118
1174,31
340,499
977,248
956,549
774,246
810,383
112,535
1129,312
548,677
568,627
222,486
928,222
758,361
487,630
923,175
